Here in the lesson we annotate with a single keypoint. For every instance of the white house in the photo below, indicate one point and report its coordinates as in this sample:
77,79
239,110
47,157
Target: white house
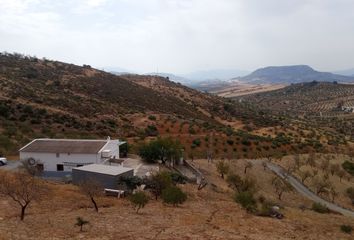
65,154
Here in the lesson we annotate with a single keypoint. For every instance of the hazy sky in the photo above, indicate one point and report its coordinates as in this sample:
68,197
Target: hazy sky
182,35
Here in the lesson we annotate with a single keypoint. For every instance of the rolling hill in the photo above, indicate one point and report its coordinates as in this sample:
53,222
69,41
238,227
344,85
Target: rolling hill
42,98
292,74
319,102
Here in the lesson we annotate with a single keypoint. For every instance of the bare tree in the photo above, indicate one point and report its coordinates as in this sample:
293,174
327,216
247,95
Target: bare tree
222,168
304,175
311,160
22,188
93,190
334,193
281,186
321,185
325,165
248,165
334,169
341,174
297,161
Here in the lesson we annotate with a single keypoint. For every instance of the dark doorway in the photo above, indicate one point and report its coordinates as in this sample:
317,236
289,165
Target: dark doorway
60,167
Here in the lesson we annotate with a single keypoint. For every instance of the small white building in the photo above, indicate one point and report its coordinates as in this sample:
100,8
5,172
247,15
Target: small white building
105,175
65,154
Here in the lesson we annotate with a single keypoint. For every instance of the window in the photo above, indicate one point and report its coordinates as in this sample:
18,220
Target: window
60,167
58,155
79,165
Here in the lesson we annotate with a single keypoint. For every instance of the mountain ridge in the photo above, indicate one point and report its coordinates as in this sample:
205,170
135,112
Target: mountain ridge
292,74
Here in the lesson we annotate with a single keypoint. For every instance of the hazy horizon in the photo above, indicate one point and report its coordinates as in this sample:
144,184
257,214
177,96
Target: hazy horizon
182,36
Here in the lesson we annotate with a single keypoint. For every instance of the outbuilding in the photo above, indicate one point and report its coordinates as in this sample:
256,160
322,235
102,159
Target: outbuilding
106,175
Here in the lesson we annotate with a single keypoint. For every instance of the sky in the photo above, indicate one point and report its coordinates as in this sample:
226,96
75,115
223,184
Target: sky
181,36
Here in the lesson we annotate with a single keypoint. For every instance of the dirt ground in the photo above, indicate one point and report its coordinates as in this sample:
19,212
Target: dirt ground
244,89
207,214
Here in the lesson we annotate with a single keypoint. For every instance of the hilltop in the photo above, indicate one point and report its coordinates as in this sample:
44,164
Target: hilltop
292,74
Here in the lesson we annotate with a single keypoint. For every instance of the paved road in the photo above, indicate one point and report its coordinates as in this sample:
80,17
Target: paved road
299,187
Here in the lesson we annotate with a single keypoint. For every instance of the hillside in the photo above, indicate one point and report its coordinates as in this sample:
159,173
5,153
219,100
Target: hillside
323,103
292,74
43,98
310,98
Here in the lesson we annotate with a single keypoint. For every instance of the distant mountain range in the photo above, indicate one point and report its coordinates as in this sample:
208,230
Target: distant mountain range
203,80
172,77
292,74
203,77
219,74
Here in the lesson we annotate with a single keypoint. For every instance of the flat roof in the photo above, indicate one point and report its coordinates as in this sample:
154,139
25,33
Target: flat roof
82,146
104,169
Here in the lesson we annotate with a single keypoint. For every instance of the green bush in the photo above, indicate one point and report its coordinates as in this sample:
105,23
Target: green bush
320,208
152,118
173,195
196,142
151,130
139,200
158,182
246,200
346,229
178,178
349,167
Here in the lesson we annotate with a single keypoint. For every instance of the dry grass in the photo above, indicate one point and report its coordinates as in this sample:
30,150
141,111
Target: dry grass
207,214
340,186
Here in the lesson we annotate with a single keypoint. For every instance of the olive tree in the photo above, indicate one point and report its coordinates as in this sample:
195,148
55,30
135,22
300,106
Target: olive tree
139,200
222,168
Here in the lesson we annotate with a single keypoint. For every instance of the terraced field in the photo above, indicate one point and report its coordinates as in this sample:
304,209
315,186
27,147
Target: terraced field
308,98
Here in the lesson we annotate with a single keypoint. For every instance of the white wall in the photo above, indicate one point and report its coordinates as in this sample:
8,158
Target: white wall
50,160
112,145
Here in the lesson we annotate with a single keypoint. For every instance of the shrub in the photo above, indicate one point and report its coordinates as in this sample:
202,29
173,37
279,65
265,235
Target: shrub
131,182
346,229
320,208
196,142
159,182
178,178
151,130
139,200
152,118
246,200
173,195
80,222
349,167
